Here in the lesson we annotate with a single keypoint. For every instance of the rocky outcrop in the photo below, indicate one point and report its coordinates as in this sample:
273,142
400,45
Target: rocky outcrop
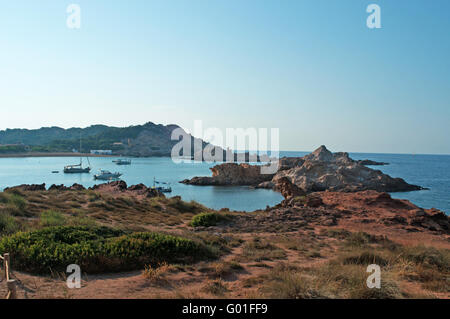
232,174
371,211
27,187
371,163
121,187
322,170
287,189
381,209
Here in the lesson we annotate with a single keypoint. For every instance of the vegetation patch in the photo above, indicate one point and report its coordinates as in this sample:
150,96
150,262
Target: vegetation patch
97,249
52,218
157,274
13,203
8,224
259,250
208,219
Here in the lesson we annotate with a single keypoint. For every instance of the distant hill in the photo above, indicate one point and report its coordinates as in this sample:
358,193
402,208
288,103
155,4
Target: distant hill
141,140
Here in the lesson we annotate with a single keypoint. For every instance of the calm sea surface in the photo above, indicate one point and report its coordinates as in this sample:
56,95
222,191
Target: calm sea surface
432,171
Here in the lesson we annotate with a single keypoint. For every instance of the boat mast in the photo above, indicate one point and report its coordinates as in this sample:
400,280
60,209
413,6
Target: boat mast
81,159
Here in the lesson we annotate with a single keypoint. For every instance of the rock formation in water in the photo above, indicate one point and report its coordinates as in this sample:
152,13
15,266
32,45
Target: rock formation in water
232,174
371,163
321,170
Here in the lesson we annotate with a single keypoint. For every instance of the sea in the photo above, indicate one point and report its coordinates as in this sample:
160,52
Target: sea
430,171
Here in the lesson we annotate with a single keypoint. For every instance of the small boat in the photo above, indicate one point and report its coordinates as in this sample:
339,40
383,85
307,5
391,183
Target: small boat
107,175
55,172
162,189
76,169
122,162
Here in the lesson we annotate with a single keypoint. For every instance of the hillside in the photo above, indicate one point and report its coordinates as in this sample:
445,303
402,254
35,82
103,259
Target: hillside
140,140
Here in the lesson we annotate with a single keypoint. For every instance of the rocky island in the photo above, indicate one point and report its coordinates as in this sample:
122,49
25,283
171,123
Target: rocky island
321,170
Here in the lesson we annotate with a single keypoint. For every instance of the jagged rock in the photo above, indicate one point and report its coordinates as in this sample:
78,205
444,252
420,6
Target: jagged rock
232,174
117,186
137,187
323,170
77,187
55,187
287,189
151,192
290,162
319,171
27,187
373,163
144,190
313,201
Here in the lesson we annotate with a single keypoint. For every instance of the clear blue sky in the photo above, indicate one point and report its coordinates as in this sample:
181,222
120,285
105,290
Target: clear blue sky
311,68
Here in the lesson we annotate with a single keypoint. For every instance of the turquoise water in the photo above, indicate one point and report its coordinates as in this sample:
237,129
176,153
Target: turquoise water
38,170
432,171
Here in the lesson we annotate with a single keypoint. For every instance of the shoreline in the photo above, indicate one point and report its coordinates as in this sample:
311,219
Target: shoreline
22,155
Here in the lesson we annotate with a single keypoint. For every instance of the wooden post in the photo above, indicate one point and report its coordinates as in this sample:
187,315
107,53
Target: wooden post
6,266
12,288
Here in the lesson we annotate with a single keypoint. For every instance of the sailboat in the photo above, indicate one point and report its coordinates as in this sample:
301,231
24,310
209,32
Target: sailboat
161,188
77,168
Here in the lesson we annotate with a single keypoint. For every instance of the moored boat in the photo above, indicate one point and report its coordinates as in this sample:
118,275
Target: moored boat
122,162
107,175
76,169
162,189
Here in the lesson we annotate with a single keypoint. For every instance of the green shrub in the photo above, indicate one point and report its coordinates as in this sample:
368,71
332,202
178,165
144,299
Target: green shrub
52,218
8,224
207,219
97,249
18,201
184,207
14,203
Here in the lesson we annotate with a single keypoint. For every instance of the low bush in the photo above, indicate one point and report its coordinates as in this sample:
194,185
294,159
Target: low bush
97,249
184,207
260,250
208,219
8,224
14,204
52,218
429,257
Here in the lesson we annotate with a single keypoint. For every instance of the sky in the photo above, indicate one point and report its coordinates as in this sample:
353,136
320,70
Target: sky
311,68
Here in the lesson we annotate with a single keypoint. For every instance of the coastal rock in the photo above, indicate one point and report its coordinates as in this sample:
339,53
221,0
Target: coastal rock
77,187
55,187
323,170
266,185
290,162
287,189
373,163
120,186
27,187
319,171
141,189
138,187
232,174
